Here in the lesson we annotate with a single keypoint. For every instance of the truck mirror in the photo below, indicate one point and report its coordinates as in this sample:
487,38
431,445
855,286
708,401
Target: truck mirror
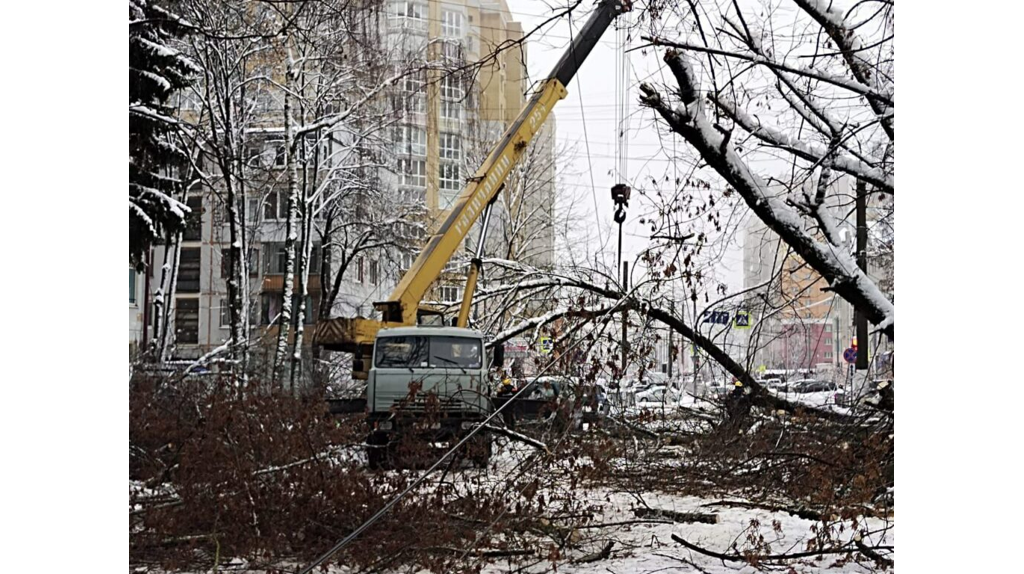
358,364
498,356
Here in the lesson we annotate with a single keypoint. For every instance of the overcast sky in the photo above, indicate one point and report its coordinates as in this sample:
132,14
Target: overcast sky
586,118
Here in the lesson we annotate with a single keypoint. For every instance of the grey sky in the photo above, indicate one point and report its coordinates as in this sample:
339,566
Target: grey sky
587,116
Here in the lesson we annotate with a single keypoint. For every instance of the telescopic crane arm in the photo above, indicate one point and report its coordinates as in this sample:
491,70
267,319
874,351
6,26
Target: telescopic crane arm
403,306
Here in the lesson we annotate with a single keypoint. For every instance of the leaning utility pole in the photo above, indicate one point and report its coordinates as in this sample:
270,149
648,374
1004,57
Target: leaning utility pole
862,262
672,311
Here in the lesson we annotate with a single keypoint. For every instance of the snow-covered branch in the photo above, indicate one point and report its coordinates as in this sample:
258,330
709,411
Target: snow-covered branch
838,81
852,50
809,151
834,264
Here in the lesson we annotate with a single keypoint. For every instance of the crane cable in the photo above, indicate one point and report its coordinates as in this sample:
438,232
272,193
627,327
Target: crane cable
621,126
586,137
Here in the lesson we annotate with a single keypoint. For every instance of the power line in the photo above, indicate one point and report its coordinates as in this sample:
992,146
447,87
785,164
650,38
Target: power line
586,139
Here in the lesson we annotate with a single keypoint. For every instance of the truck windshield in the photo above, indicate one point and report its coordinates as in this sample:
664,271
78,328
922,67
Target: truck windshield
428,352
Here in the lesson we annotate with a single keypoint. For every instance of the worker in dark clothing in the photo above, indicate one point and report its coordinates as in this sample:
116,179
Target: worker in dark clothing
737,403
507,390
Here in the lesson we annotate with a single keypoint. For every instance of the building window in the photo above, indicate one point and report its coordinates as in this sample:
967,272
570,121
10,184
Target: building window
451,24
279,155
450,184
225,263
276,259
409,196
451,179
374,272
254,155
451,50
451,98
449,293
254,209
413,97
412,140
414,81
412,172
828,354
132,276
275,206
416,104
451,90
451,147
451,110
412,14
189,269
359,270
186,321
270,307
194,220
225,313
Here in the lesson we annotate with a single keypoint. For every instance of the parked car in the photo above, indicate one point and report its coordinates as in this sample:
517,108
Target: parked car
805,386
654,394
776,384
719,388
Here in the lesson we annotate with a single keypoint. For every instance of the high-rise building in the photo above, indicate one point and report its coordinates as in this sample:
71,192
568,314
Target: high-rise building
458,95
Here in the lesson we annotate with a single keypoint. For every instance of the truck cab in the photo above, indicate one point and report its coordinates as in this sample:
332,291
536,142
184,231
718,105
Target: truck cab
427,381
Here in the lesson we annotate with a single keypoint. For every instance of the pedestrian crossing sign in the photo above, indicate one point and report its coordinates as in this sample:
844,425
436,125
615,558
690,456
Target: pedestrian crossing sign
546,345
741,320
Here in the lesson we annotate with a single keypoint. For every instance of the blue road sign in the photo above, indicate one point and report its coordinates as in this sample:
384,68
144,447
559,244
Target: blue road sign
850,355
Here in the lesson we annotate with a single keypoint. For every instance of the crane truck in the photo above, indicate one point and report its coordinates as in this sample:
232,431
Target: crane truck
426,379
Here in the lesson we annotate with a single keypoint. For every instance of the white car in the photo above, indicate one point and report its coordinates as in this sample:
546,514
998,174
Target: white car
654,394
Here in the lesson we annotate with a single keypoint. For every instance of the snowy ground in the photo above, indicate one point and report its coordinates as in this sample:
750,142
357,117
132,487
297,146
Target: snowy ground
648,547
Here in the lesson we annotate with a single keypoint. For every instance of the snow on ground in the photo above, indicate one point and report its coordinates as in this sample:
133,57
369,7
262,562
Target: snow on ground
649,548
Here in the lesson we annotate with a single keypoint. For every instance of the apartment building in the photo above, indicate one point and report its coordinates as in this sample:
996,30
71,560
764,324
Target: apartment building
441,121
798,324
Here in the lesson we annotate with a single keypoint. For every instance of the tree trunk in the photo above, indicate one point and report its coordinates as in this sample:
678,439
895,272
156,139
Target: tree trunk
291,232
300,314
168,287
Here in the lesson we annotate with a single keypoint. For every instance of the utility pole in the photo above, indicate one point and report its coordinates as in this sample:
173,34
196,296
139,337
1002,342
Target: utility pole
862,262
672,311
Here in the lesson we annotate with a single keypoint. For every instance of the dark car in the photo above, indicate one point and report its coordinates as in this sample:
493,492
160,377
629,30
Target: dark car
813,386
533,403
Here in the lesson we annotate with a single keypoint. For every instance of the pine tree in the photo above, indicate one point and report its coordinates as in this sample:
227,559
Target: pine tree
155,71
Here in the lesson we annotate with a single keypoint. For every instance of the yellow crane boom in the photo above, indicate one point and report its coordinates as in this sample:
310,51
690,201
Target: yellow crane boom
356,335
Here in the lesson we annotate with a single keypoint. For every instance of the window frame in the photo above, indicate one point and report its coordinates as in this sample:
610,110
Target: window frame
425,348
408,144
452,23
447,150
193,230
180,307
185,283
406,176
133,279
